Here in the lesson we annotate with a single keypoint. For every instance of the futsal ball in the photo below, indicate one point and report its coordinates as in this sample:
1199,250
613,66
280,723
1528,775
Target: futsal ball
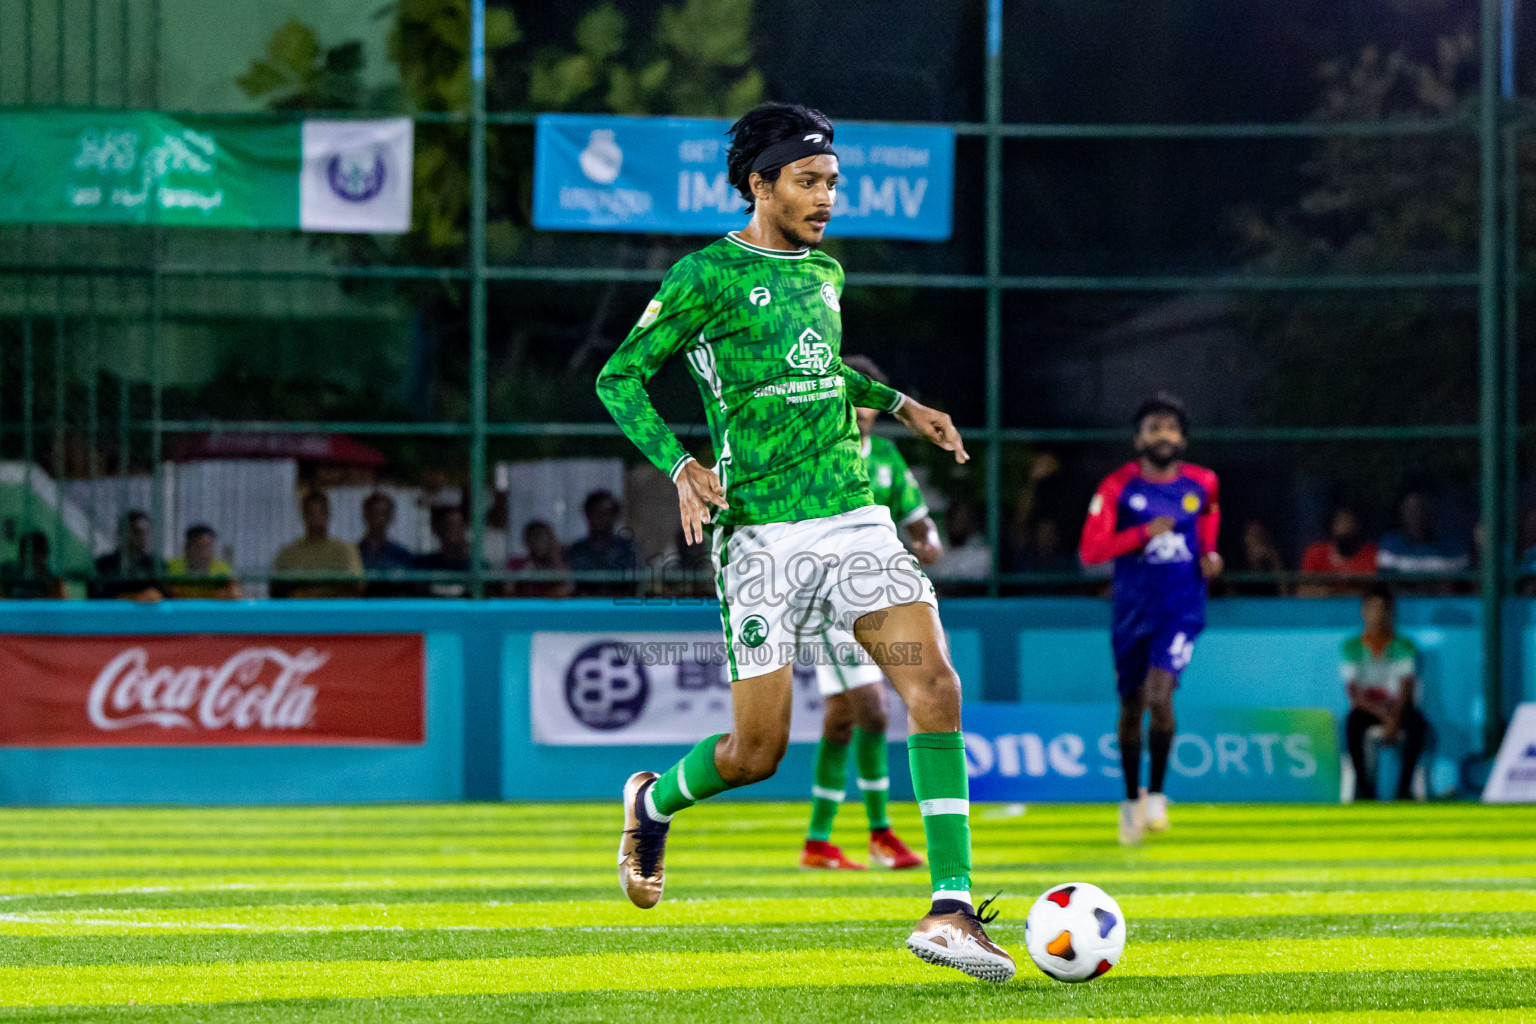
1075,932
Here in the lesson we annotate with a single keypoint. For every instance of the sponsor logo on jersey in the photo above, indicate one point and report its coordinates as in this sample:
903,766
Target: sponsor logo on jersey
652,311
754,631
1138,502
1191,502
760,296
1167,548
810,354
829,296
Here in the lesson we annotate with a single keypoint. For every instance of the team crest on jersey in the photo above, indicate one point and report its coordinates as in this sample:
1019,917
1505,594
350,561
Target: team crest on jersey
760,296
754,631
652,311
1166,548
829,296
810,354
1191,502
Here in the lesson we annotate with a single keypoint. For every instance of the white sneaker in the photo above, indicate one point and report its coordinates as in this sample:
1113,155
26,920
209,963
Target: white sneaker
1154,812
1130,822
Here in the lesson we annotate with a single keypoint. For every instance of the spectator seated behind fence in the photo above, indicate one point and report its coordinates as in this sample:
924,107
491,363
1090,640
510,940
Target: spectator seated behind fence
1417,547
30,577
1346,552
967,556
1380,670
317,564
380,554
452,555
1260,556
196,573
129,572
543,556
603,548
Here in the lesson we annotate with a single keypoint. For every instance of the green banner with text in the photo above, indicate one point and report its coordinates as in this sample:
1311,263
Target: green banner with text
142,167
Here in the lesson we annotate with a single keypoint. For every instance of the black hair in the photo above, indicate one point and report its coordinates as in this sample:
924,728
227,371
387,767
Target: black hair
594,498
1381,592
200,530
315,495
758,129
867,367
1162,402
376,497
133,515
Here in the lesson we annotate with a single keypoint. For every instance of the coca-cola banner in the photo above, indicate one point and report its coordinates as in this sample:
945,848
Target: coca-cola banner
204,690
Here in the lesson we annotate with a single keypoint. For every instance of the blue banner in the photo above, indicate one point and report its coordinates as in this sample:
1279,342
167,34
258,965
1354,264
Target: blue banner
1069,753
667,175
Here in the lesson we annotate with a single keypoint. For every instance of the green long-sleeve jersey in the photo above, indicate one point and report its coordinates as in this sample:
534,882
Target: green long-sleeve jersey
761,330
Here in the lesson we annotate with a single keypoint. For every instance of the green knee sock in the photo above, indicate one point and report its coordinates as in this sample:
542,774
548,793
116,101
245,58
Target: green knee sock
874,775
943,796
692,779
831,781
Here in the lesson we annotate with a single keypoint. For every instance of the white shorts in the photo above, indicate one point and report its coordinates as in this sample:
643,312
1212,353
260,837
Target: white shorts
783,586
840,664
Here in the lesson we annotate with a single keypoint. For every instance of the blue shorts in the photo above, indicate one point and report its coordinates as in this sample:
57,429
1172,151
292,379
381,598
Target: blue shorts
1168,647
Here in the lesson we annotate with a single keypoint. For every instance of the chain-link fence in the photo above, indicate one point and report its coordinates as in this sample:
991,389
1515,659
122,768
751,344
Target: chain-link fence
1307,219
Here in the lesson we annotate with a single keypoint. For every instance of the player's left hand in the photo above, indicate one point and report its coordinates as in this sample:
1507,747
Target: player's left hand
925,552
934,425
1211,565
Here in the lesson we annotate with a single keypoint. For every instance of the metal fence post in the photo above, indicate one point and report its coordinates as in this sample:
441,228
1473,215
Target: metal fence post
994,265
477,300
1490,389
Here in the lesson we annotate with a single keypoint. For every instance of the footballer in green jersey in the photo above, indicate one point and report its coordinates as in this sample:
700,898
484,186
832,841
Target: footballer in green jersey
857,711
797,543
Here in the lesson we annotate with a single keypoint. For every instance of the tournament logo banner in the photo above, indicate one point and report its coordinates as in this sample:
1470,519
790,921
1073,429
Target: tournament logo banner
1069,753
204,691
141,167
667,175
626,689
1513,779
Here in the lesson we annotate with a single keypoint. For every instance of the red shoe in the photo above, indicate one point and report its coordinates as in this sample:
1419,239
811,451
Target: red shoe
819,853
888,851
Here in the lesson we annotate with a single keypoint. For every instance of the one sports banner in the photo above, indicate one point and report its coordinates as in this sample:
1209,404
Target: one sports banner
204,690
1069,753
141,167
1513,779
667,175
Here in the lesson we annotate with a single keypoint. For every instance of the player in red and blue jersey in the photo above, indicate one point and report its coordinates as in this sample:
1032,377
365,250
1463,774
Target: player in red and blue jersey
1157,518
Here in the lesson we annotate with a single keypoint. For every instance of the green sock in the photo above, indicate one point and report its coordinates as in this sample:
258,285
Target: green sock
943,796
831,781
692,779
874,775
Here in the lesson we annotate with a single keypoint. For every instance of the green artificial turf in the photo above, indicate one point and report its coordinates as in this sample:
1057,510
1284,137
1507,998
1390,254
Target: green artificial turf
1265,915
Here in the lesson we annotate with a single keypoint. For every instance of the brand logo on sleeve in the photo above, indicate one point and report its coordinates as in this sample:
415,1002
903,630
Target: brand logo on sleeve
652,311
829,296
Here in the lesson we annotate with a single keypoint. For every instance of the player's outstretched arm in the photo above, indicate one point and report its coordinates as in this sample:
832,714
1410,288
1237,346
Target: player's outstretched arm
697,490
936,426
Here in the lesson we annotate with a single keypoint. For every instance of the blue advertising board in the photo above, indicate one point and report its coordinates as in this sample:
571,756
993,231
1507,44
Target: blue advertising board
1069,753
667,175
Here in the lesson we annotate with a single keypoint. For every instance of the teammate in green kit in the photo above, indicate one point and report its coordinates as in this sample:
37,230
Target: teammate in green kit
852,684
798,545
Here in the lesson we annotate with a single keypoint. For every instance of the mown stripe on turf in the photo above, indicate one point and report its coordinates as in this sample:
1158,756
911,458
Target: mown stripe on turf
1505,1015
741,912
76,985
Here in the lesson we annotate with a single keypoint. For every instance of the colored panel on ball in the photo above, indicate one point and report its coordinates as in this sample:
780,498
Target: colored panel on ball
1107,921
1061,946
1061,897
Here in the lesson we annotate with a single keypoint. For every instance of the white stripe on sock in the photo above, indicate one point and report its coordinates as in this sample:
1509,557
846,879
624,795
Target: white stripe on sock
874,784
947,806
836,796
650,806
964,895
682,783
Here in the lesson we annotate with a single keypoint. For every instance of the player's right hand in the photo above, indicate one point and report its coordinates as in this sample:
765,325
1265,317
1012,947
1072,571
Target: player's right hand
1160,525
698,489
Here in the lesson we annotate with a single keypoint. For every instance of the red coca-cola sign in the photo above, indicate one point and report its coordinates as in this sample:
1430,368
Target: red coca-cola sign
201,690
